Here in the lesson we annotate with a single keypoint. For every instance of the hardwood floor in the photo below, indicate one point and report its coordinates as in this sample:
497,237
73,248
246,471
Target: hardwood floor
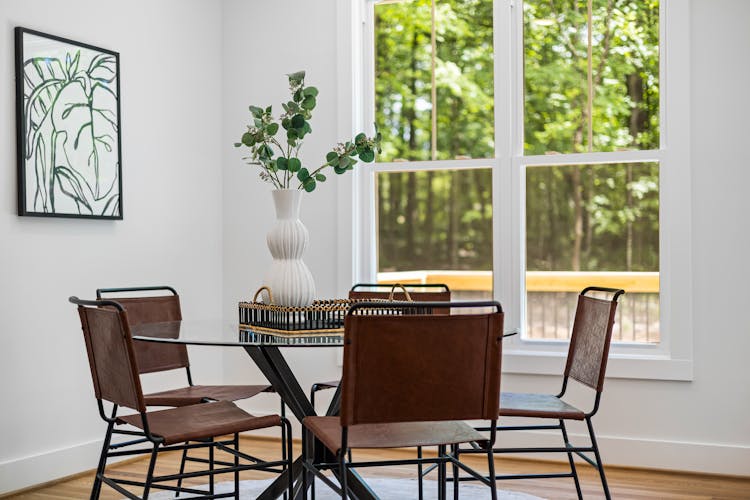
624,483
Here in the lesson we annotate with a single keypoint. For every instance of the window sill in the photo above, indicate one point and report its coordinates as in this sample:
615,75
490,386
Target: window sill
625,366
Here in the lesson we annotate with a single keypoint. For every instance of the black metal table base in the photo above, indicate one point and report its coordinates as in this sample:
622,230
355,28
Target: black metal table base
271,362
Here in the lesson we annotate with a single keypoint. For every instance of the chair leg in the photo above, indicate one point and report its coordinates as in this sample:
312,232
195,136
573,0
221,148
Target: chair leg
441,474
304,463
236,464
454,451
491,468
599,464
211,467
420,471
97,487
182,471
342,471
570,460
150,473
284,437
288,465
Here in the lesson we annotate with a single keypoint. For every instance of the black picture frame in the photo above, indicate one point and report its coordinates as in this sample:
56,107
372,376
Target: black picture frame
68,128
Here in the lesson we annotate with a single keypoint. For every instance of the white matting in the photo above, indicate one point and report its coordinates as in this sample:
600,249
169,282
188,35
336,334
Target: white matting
386,489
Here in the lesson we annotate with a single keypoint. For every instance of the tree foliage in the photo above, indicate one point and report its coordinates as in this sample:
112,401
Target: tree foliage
592,217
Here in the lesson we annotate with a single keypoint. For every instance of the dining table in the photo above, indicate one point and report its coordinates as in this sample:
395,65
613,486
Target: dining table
265,350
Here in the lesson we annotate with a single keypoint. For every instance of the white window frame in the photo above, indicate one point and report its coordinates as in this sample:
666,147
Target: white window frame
672,358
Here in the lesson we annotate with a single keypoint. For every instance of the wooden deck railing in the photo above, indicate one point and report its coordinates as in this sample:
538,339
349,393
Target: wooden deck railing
551,298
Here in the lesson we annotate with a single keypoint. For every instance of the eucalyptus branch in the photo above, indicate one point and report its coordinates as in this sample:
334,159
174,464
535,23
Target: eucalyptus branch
261,135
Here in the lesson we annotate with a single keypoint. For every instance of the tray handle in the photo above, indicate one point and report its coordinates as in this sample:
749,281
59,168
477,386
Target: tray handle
270,295
402,287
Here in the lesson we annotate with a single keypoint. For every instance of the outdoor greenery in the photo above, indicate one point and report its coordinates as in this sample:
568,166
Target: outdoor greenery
579,217
282,168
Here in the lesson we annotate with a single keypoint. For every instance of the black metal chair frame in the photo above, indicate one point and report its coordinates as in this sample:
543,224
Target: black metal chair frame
185,457
145,435
344,463
568,449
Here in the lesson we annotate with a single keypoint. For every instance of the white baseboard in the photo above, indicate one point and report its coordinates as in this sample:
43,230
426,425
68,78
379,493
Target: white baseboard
685,456
657,454
29,471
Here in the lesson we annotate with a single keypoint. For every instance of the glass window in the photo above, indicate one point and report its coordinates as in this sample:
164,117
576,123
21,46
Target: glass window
435,226
592,225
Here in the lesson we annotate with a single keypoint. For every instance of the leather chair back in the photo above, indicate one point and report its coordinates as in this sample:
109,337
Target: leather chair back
416,293
590,340
152,356
109,345
410,368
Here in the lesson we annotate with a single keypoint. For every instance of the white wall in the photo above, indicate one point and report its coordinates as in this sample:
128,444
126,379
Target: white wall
196,217
700,425
171,232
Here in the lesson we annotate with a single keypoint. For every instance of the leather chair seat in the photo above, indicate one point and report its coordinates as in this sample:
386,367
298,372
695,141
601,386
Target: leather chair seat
195,394
391,435
513,404
191,423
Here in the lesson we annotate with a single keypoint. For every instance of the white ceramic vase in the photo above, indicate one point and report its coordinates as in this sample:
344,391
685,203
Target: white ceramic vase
289,279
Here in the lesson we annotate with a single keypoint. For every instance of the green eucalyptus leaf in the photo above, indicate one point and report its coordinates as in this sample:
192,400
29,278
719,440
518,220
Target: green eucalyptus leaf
367,155
272,128
303,174
258,122
292,135
339,170
248,139
298,121
294,164
268,110
309,185
237,144
286,123
344,161
332,157
297,96
360,138
310,91
282,163
293,106
256,111
308,103
320,177
307,128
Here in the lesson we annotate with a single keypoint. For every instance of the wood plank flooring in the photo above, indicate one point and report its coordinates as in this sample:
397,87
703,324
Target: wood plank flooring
624,483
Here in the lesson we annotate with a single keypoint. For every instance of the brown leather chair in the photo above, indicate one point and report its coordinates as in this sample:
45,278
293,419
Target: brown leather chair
586,364
116,377
452,365
155,357
431,292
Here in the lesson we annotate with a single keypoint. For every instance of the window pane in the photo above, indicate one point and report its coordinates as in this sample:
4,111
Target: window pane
624,75
555,67
403,85
625,60
436,227
592,225
463,100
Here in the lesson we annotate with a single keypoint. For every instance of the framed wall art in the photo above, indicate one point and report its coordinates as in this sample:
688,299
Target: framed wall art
68,128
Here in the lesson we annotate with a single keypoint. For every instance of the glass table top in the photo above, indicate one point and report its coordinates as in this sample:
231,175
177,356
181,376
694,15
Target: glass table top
218,333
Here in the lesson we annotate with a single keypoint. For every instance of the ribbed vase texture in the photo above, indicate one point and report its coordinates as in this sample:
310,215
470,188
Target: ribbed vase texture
289,279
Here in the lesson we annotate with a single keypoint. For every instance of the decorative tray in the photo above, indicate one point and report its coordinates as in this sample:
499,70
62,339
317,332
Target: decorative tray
322,317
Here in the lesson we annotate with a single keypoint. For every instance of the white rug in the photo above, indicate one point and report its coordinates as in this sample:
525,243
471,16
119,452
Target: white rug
386,489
